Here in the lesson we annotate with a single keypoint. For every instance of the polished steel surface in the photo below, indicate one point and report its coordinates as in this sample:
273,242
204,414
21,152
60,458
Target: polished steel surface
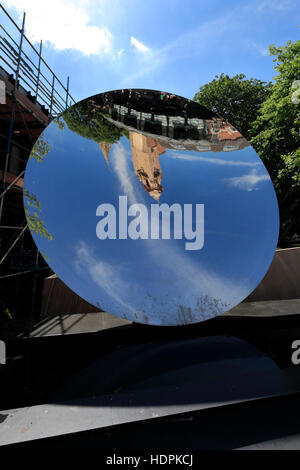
151,207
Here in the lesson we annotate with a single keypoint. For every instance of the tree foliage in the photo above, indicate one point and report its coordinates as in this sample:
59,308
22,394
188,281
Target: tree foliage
236,99
40,149
35,223
268,115
88,121
276,137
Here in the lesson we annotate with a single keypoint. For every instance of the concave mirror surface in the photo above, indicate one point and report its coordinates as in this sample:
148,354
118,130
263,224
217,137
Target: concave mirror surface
151,207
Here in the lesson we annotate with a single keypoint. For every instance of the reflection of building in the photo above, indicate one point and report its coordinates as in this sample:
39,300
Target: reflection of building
174,127
155,125
219,137
223,137
179,132
145,157
105,147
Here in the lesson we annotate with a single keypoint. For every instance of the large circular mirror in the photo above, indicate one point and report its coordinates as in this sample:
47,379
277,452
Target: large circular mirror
151,207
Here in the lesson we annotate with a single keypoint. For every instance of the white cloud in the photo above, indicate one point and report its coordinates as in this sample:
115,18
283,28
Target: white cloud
120,52
262,50
120,166
247,182
197,279
139,45
105,275
190,280
64,24
213,161
188,44
271,5
193,43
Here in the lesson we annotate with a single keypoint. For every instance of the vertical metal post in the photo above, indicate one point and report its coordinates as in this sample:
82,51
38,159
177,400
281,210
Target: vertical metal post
20,52
39,70
52,93
67,95
12,118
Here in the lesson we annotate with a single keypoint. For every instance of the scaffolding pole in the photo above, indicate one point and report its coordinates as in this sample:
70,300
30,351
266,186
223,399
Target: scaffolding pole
10,186
50,98
14,243
12,114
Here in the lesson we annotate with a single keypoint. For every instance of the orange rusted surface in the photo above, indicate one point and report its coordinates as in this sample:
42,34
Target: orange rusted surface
10,178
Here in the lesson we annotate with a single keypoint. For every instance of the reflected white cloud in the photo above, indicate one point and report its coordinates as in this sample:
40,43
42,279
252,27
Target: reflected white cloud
213,161
247,182
104,274
192,278
188,277
120,166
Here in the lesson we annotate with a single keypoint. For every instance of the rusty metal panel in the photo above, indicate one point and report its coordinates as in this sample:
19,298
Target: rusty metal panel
282,281
58,299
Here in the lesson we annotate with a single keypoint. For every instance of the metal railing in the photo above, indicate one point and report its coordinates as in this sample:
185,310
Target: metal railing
24,67
34,74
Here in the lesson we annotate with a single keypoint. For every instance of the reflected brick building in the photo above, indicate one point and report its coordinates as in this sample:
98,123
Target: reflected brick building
179,132
146,149
145,158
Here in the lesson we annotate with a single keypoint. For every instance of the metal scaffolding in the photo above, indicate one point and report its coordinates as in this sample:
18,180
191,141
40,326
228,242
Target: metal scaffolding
33,96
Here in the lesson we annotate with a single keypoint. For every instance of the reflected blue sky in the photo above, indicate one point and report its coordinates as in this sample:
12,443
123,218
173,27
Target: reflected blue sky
155,281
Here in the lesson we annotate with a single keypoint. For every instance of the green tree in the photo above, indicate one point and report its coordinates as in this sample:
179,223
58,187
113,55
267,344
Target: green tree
35,223
236,99
276,137
87,120
268,115
60,123
40,149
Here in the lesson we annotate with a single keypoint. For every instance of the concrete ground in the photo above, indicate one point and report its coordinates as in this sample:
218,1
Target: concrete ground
77,323
88,322
266,308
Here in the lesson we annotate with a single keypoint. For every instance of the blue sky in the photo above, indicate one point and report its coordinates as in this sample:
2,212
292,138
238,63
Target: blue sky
154,277
173,45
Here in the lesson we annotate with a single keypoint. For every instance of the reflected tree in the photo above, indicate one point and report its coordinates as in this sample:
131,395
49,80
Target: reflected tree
40,149
60,123
88,120
35,223
46,258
